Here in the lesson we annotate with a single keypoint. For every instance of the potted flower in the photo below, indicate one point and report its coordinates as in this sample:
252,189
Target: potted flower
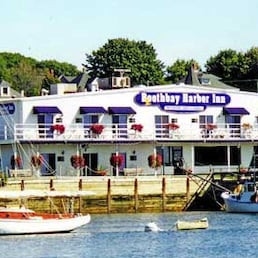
16,162
77,161
116,160
246,126
172,126
137,127
59,128
37,161
97,128
210,127
155,161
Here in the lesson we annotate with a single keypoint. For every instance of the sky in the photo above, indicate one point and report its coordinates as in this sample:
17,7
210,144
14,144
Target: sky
65,30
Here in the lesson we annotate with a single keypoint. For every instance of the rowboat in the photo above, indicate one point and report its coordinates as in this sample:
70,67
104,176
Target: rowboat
20,220
194,224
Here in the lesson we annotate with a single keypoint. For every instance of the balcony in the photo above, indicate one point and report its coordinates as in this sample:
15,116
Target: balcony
122,132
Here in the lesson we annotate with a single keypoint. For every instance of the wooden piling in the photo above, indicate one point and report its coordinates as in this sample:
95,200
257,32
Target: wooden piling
109,196
80,184
22,185
136,200
187,188
51,185
163,194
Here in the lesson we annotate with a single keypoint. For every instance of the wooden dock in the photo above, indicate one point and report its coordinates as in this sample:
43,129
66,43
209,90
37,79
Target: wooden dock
111,194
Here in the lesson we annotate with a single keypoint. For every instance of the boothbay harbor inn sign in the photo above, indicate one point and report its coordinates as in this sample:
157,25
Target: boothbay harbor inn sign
150,130
182,102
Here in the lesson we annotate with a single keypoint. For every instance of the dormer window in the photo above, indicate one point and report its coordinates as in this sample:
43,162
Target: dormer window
205,81
5,91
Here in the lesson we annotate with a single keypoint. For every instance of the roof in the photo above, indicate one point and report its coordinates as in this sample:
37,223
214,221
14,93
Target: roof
12,92
81,80
198,78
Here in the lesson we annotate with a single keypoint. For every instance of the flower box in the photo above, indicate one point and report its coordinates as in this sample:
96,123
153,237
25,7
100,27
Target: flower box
116,160
37,161
211,126
137,127
58,128
77,161
155,161
97,128
246,126
16,162
172,126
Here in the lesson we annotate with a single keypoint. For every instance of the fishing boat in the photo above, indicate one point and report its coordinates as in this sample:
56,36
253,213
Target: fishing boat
194,224
19,219
245,200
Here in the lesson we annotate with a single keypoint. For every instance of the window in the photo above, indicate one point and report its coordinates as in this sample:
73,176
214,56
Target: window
161,130
217,155
5,90
204,120
171,154
174,120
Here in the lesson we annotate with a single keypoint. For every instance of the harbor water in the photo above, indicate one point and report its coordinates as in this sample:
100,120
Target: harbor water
122,235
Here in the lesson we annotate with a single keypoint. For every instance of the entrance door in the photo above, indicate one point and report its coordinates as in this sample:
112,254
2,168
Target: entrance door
92,164
49,165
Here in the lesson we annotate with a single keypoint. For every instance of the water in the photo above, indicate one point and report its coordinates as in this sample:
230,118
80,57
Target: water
228,235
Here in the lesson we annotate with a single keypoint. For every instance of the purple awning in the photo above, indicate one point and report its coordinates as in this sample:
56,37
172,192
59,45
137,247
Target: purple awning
93,110
121,110
235,111
46,110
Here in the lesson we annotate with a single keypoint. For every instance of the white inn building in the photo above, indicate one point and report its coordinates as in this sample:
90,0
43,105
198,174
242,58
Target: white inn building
193,127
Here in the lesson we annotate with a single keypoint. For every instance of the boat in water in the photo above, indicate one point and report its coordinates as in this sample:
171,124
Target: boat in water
245,199
152,227
20,220
194,224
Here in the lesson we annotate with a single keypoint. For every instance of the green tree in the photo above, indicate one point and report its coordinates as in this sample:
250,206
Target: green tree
56,68
252,63
28,75
179,70
227,64
138,56
26,78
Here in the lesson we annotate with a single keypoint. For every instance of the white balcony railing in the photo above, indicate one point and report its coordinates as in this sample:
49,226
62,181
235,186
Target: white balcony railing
111,132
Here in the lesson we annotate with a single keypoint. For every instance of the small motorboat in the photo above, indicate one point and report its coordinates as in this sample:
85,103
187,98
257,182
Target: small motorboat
245,199
194,224
20,220
152,227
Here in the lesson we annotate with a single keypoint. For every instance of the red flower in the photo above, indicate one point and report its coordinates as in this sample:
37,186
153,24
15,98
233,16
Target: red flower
116,160
59,128
172,126
16,162
37,161
77,161
210,126
97,128
137,127
155,161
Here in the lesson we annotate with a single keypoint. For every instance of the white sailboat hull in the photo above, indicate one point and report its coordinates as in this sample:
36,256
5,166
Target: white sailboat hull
37,225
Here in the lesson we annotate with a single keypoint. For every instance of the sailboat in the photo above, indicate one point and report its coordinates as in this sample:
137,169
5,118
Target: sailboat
18,220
